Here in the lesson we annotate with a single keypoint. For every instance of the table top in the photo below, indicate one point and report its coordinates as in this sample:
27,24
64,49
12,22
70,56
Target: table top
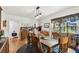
70,50
49,43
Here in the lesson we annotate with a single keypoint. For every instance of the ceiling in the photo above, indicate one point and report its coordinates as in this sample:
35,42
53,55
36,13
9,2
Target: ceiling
29,11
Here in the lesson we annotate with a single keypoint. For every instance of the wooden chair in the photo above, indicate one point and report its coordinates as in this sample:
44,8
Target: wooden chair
55,35
36,44
45,33
63,44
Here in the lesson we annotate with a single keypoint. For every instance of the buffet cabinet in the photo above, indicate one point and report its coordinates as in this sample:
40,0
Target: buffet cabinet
23,33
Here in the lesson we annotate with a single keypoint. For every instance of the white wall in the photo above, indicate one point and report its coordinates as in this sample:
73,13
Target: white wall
68,11
14,26
15,22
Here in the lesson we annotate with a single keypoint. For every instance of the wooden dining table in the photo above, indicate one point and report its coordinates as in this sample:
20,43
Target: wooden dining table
49,43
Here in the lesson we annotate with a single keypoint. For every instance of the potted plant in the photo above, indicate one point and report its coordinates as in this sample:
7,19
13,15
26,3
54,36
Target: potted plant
1,33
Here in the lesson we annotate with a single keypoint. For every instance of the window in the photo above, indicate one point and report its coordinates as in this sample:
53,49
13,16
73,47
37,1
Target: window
67,24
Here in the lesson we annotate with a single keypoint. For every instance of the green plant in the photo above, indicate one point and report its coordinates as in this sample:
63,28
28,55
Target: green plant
1,32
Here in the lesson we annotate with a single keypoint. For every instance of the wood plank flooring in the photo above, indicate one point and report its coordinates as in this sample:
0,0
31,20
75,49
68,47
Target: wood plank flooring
15,44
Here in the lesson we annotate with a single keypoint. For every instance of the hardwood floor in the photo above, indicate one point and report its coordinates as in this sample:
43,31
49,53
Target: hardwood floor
15,44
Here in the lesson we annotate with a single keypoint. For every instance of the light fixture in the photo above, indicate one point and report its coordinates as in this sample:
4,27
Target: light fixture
38,13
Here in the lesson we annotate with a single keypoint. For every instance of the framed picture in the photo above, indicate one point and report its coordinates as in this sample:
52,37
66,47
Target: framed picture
46,25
